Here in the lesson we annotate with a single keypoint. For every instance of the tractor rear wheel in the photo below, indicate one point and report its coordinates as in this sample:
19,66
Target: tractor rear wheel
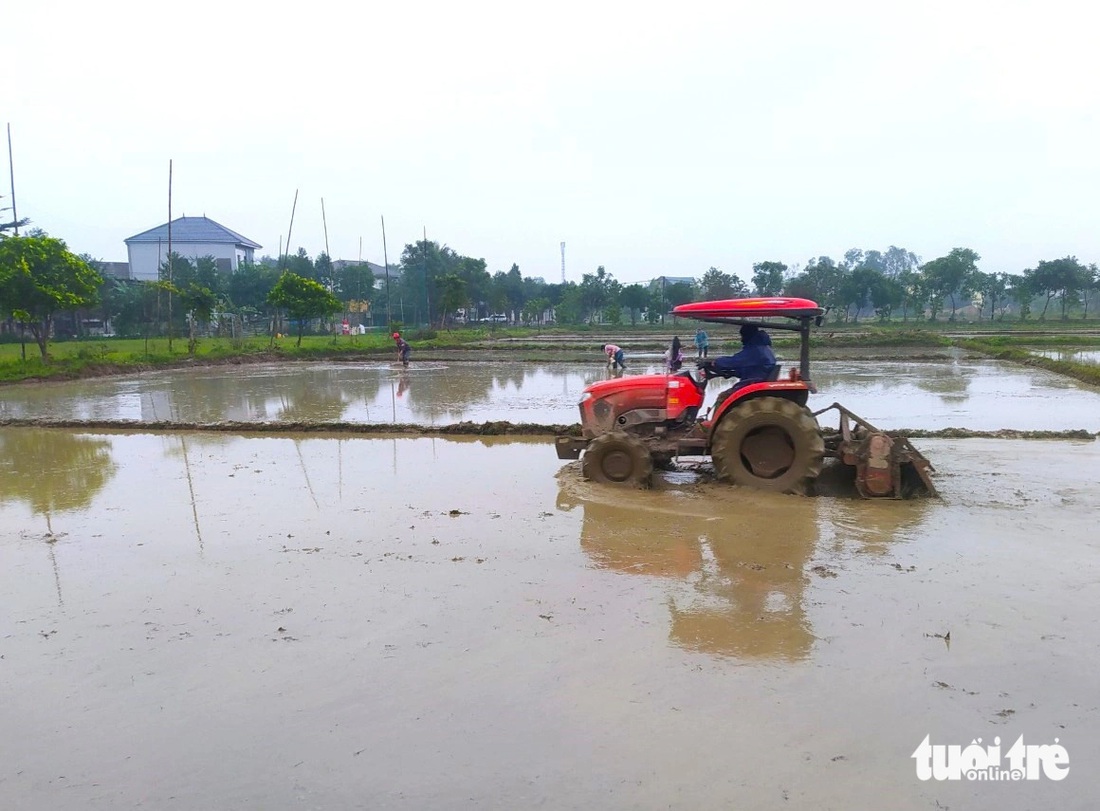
769,443
618,458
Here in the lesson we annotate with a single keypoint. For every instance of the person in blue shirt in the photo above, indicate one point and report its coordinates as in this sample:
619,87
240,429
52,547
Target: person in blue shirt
701,343
753,364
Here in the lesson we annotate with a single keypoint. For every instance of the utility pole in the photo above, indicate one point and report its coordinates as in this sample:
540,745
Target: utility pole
424,260
11,171
169,256
289,229
386,259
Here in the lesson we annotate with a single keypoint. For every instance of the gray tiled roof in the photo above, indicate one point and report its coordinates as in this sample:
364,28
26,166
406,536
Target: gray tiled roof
194,229
115,270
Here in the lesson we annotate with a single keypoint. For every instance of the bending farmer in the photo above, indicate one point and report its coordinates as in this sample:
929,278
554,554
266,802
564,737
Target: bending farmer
403,348
614,356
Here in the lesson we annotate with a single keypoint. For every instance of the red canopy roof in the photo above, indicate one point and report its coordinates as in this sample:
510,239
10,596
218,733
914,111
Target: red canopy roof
749,308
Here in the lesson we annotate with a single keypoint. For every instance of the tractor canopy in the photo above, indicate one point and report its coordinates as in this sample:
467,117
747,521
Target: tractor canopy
749,310
775,312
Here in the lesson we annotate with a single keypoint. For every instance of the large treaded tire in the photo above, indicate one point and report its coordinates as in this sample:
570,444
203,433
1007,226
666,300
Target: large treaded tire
618,458
769,443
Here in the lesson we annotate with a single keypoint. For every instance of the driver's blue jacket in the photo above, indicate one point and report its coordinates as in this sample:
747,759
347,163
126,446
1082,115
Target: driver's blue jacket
753,363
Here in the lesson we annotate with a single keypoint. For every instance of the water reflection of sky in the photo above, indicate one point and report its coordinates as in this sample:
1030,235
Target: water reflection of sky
967,394
1077,355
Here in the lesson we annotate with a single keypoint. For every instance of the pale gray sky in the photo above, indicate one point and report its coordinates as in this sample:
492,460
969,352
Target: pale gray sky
651,138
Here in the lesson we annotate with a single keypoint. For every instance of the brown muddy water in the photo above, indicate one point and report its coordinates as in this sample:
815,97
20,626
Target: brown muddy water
956,393
209,621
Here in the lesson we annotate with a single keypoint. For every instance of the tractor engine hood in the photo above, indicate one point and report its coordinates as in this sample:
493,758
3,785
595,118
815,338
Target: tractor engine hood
633,383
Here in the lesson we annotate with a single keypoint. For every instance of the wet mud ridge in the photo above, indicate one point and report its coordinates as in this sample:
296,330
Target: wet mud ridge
495,428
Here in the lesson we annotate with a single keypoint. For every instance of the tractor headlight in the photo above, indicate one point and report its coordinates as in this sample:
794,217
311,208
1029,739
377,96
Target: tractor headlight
585,397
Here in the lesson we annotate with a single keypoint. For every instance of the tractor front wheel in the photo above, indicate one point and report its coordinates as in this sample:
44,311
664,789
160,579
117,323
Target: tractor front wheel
769,443
618,458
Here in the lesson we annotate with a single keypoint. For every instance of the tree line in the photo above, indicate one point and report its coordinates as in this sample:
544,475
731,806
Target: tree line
434,285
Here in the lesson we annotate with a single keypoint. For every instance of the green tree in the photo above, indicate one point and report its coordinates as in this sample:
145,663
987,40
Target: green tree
907,281
819,281
635,298
130,305
569,308
897,261
767,278
993,288
452,294
198,302
498,294
679,293
478,284
597,290
1022,291
514,290
858,288
1058,278
535,310
40,277
950,277
886,293
423,264
302,299
323,271
249,287
716,285
1090,286
354,286
10,225
300,264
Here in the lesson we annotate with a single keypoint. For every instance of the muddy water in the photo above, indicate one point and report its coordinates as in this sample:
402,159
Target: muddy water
981,395
211,621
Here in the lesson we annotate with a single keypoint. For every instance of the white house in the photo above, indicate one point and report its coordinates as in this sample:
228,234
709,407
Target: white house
192,237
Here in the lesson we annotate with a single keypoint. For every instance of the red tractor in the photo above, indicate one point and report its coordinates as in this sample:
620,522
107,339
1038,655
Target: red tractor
758,434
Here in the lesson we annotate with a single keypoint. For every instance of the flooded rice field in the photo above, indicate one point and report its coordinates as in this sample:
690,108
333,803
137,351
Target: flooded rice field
970,394
1075,355
213,620
216,621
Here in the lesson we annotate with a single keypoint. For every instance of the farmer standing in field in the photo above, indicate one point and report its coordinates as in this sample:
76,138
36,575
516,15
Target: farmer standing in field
403,349
702,343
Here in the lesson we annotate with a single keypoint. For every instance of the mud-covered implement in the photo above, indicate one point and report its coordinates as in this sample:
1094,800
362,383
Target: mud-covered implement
758,434
885,466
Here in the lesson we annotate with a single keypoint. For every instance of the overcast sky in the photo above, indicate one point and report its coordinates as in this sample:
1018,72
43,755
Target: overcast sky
650,138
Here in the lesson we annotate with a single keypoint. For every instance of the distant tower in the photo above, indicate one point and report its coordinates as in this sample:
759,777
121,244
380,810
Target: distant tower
563,263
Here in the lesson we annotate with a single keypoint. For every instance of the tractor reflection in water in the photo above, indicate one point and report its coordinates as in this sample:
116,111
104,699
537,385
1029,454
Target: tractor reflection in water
734,590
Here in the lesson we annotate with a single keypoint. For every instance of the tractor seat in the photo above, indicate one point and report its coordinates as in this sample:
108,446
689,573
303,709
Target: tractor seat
772,376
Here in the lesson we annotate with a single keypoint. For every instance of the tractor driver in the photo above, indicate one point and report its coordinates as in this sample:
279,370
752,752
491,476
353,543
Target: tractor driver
753,364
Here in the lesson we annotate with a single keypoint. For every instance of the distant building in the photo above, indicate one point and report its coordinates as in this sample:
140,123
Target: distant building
668,281
379,271
193,238
113,270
